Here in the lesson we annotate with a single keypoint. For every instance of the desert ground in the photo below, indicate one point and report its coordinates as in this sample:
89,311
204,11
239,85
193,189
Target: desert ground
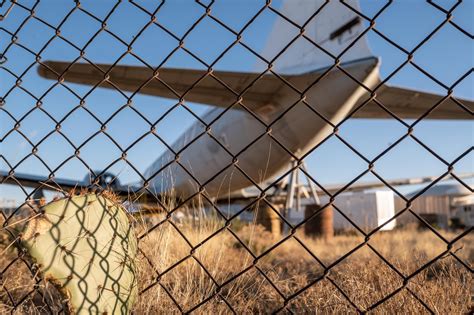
239,268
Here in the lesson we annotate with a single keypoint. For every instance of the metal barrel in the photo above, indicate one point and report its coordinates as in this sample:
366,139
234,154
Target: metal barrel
321,225
267,217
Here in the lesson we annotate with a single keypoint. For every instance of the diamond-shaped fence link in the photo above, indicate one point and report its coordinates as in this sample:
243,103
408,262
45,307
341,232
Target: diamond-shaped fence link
195,254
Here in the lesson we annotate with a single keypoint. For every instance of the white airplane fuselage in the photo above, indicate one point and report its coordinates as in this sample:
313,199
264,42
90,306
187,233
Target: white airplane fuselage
238,150
298,131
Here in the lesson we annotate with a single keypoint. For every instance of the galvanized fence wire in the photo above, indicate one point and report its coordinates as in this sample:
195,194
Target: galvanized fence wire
15,41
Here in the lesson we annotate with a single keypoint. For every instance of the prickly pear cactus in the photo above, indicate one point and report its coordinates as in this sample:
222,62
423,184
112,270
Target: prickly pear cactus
86,247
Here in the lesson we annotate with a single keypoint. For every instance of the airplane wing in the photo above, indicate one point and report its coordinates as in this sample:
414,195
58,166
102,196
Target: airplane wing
29,180
411,104
222,88
253,192
243,195
62,184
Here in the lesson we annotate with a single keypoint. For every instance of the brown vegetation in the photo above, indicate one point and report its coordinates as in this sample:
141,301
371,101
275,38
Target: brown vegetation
359,280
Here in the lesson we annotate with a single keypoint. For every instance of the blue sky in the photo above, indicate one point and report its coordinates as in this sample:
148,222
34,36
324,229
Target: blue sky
446,56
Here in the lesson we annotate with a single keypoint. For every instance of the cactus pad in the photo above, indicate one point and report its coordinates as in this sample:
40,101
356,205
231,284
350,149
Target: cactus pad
86,246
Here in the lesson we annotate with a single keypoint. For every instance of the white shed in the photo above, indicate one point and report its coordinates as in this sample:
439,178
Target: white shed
367,210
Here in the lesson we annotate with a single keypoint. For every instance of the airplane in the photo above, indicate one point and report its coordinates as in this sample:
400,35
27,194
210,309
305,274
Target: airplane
261,122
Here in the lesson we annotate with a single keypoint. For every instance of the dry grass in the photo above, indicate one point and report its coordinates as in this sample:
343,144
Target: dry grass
445,286
363,277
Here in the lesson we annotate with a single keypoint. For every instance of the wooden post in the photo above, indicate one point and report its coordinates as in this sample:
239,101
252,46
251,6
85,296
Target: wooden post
322,224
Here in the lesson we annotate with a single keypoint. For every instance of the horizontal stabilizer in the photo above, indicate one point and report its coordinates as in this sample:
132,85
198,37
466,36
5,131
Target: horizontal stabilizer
220,88
223,88
410,104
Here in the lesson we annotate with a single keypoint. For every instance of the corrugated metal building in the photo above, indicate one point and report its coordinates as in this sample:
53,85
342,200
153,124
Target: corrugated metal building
439,205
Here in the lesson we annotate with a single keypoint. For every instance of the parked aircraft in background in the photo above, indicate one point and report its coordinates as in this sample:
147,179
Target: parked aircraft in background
250,106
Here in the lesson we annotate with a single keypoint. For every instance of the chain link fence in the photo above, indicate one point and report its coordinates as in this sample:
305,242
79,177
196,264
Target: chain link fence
190,260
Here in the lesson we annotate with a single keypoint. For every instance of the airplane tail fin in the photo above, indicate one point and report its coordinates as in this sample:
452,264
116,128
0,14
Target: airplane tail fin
333,28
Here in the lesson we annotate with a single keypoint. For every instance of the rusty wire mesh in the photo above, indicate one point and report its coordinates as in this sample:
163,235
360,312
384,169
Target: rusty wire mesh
35,286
